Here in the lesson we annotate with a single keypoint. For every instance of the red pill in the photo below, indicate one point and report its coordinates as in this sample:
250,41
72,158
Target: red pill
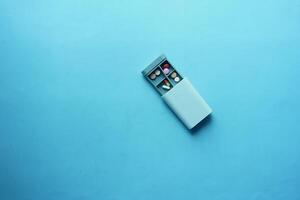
166,65
167,82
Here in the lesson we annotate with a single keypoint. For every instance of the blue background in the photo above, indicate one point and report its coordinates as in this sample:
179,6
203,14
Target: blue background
78,121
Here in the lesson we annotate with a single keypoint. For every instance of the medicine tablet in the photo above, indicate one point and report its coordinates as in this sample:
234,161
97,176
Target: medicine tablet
174,75
157,72
152,76
166,65
166,87
166,70
177,79
166,82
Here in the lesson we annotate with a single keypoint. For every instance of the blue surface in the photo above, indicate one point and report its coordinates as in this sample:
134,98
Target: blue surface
78,121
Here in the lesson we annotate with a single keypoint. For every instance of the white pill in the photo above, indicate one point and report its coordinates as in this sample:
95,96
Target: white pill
166,87
157,72
177,79
152,76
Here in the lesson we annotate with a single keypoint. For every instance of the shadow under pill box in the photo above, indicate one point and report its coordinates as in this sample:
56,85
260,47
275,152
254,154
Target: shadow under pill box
177,92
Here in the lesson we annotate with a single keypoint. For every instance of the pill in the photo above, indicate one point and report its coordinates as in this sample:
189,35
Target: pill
166,82
174,75
166,70
157,72
166,65
177,79
152,76
166,87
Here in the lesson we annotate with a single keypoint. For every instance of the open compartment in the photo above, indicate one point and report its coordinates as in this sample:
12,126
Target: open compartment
174,77
164,86
159,74
166,67
156,76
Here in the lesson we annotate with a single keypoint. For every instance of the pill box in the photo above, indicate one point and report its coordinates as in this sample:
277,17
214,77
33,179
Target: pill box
177,92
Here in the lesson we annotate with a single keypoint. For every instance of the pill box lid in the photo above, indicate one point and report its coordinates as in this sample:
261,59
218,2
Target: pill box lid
187,103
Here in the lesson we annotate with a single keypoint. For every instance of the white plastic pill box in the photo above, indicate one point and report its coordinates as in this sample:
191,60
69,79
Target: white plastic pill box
177,91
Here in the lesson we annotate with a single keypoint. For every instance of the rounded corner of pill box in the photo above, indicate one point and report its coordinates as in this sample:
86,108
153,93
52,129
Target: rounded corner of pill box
207,117
163,56
143,73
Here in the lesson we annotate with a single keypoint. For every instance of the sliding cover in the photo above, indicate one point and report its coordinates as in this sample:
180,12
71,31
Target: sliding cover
187,103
